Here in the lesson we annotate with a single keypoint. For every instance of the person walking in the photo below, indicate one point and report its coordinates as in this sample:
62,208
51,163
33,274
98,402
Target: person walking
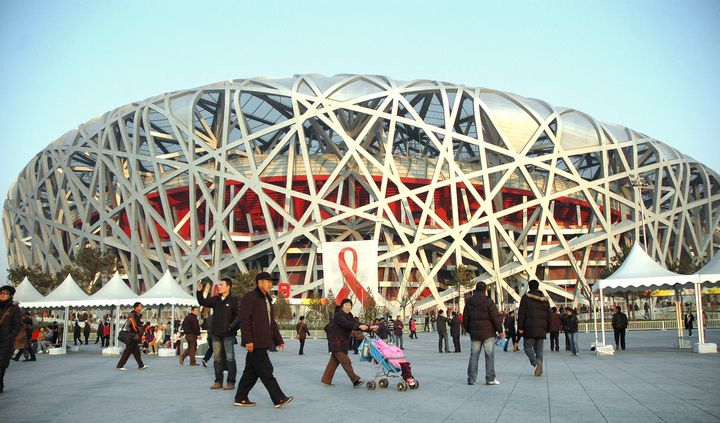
619,325
191,328
555,328
455,324
413,328
10,326
510,332
23,340
225,323
77,330
482,321
571,329
259,331
426,327
135,327
689,320
533,324
86,331
398,332
106,334
339,330
301,333
563,323
99,333
441,321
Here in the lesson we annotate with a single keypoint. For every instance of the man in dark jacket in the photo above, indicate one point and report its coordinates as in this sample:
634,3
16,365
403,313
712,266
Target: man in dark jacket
133,325
259,332
10,326
100,333
482,321
302,332
455,331
191,328
442,322
225,323
77,332
86,331
555,328
398,332
533,324
619,325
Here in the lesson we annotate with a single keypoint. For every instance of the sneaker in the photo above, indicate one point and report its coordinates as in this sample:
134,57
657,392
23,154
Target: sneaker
284,402
144,367
538,369
493,382
358,383
121,369
204,363
471,383
244,403
216,386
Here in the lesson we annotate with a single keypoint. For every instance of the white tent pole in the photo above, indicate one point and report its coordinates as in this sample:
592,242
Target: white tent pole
65,328
172,325
114,333
602,315
594,310
699,311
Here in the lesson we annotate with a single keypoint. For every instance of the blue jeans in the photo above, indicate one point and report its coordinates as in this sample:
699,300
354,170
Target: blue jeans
573,343
226,345
475,346
534,349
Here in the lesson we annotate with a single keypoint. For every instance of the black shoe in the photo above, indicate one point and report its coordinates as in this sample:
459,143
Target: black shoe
284,402
244,403
358,383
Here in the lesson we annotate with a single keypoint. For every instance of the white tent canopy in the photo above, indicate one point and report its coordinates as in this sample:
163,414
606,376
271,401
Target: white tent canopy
167,291
711,271
26,292
66,294
115,292
639,272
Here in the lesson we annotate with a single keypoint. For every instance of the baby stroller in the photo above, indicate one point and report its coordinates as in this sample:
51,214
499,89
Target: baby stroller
390,363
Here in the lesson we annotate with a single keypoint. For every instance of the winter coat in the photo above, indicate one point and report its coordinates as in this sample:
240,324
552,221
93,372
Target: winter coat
534,315
571,324
137,330
509,325
481,317
455,326
255,327
398,328
619,321
302,331
689,320
86,330
190,325
413,326
442,322
556,324
9,329
339,330
226,314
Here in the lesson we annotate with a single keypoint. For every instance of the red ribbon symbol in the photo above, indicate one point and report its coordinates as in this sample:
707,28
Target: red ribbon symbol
349,274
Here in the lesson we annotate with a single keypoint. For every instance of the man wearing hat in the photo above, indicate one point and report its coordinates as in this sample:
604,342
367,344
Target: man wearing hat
259,332
10,326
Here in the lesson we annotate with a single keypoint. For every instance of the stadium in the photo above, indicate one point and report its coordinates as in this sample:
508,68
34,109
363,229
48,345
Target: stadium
257,173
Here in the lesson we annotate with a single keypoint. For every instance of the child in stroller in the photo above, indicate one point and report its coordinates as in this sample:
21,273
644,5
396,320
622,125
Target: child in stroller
391,362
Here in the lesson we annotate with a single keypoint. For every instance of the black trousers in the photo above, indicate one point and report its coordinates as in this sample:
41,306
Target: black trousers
554,340
28,351
441,337
302,346
619,338
258,366
567,342
456,343
209,351
86,338
131,348
2,378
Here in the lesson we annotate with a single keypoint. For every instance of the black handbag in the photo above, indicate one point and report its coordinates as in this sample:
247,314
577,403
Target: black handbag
125,337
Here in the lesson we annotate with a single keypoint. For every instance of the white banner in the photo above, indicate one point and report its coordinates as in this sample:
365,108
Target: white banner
349,269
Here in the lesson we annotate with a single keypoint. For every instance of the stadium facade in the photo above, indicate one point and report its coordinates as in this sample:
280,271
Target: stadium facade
258,173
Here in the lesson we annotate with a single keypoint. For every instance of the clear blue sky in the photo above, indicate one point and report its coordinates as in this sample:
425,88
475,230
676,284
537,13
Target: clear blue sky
653,66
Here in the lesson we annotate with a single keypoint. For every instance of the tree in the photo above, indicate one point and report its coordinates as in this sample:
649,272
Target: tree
463,279
369,311
43,281
243,283
93,265
77,274
315,313
282,309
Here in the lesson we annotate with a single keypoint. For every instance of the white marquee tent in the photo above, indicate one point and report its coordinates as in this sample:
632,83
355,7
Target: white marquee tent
26,292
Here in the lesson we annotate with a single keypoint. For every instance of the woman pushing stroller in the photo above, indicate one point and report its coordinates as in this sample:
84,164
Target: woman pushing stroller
339,331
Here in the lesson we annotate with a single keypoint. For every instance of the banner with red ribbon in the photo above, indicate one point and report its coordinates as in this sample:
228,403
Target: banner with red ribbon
349,269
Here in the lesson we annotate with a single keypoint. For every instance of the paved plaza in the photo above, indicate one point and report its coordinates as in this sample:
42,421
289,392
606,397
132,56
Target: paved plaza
649,382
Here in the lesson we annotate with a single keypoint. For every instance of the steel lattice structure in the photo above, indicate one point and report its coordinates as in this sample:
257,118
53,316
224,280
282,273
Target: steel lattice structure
257,173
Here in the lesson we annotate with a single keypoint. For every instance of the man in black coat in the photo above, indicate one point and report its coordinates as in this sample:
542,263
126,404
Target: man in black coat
191,328
259,332
225,323
134,325
455,331
10,326
534,324
86,331
442,322
619,325
482,321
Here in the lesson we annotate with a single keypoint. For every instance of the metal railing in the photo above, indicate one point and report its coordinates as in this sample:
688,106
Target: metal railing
645,325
